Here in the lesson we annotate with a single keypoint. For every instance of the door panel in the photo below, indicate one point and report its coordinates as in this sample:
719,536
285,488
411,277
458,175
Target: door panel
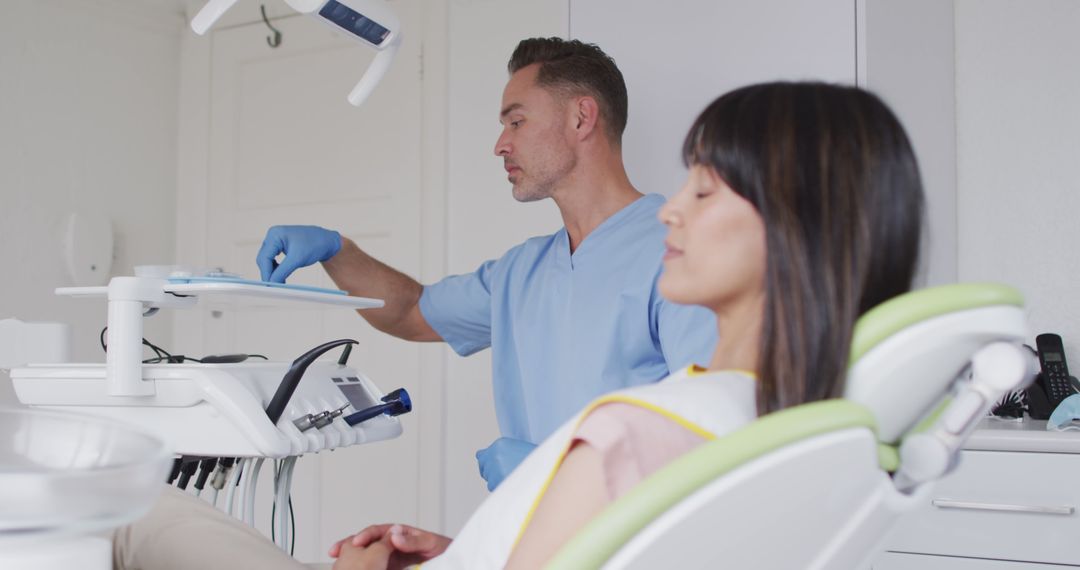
286,148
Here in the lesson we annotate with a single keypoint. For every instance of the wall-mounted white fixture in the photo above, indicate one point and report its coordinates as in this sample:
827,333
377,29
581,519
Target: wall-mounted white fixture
88,248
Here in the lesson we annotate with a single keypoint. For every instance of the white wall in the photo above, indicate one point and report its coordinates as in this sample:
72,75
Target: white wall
1018,147
908,61
88,100
678,60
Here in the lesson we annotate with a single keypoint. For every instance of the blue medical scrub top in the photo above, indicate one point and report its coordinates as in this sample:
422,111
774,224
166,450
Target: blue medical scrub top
565,329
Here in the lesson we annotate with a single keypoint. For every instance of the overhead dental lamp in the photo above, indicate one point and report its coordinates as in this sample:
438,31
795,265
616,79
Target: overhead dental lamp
371,22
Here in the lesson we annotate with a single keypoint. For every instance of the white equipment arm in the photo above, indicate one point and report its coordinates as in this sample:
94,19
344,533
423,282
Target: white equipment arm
209,15
374,73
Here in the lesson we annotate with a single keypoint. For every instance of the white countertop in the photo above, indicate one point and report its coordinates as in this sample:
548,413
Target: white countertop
1028,435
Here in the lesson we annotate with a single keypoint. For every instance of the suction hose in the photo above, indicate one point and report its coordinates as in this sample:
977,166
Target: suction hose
292,378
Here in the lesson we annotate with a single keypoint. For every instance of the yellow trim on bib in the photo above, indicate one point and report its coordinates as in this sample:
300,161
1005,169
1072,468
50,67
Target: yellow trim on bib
685,423
695,370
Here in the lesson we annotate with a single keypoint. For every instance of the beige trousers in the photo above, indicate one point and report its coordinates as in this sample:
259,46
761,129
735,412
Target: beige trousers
182,532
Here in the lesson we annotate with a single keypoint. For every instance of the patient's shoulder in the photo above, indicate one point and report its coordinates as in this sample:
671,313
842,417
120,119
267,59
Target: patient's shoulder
634,441
707,405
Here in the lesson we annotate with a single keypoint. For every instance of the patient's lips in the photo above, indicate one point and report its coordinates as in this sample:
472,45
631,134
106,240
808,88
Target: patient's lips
671,252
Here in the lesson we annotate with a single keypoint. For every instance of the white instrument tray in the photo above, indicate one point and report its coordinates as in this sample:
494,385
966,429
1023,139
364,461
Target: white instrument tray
240,291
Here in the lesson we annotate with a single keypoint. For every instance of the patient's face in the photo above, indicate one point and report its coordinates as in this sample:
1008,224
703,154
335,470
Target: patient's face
715,246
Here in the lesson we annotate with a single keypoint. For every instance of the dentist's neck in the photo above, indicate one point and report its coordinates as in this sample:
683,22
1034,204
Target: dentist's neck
596,189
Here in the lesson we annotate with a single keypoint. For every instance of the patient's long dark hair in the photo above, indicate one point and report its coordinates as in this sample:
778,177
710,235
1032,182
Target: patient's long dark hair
834,177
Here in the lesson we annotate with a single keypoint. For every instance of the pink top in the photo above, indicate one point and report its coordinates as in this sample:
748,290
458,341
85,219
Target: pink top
633,443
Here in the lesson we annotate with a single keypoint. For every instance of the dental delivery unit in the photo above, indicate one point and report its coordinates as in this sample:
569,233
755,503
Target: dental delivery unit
221,417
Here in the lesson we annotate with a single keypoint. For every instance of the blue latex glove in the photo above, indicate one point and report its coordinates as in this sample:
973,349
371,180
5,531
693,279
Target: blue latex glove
501,458
1064,413
302,246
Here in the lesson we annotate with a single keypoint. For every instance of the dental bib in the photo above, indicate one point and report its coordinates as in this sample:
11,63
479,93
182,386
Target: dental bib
708,403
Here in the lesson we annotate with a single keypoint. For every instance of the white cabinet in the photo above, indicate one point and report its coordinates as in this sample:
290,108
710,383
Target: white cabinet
898,561
1012,503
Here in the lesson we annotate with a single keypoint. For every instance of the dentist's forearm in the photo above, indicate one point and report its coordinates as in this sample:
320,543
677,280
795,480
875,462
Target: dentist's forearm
361,275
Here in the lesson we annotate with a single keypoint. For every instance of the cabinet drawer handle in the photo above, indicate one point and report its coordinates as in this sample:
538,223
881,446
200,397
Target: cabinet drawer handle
972,506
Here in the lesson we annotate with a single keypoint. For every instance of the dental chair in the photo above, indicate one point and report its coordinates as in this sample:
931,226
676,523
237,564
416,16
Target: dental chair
818,486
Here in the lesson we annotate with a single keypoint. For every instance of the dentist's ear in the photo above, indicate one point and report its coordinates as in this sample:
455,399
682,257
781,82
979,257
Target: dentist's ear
586,116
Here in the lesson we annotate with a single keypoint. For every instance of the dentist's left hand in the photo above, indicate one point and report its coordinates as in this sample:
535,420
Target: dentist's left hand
302,246
500,459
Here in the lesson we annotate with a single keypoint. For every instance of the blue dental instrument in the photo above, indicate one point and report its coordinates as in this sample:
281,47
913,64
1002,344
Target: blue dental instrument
397,402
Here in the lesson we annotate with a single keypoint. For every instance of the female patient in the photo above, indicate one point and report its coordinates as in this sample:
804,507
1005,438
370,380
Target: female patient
802,210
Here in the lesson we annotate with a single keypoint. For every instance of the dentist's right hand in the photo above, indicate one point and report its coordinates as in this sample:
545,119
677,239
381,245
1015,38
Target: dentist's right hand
302,246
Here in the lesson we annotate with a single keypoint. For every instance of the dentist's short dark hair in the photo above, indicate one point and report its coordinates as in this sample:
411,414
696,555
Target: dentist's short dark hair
575,68
833,175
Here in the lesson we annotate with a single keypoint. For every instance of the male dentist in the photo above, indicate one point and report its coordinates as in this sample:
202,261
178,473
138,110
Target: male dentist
568,316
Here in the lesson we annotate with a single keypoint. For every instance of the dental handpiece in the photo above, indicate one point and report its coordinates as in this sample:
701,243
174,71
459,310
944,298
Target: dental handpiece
319,420
397,402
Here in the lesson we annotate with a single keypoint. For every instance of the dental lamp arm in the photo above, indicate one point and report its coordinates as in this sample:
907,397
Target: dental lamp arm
209,15
374,73
379,28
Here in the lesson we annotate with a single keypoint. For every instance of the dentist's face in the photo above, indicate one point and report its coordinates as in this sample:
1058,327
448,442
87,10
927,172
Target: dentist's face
536,143
716,247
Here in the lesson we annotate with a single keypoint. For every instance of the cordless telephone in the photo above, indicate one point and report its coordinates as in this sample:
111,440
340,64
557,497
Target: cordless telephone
1053,383
1055,371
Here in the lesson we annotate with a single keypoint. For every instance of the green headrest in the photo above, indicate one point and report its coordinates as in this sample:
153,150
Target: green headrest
902,311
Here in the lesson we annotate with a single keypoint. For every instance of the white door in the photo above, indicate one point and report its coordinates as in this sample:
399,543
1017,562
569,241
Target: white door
286,148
